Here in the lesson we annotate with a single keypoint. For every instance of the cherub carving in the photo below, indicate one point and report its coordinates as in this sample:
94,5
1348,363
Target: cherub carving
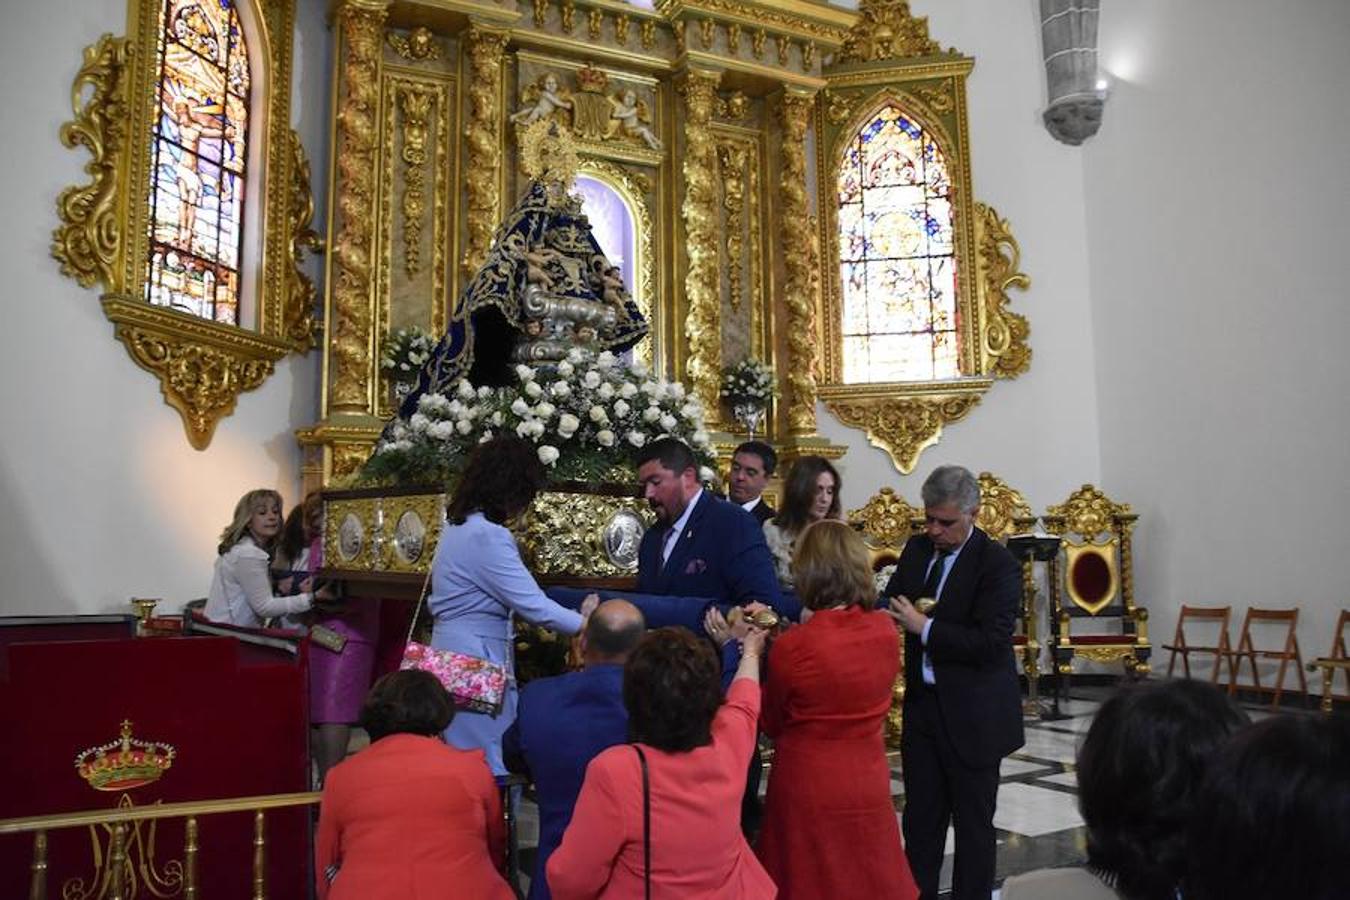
607,282
631,118
543,98
537,259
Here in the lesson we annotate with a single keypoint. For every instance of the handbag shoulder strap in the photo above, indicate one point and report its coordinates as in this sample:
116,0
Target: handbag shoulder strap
417,610
646,826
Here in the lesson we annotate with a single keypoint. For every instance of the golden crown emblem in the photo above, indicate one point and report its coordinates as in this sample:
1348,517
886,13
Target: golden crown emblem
125,763
592,79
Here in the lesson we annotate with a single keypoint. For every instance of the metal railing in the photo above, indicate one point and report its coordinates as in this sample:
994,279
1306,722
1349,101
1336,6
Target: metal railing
124,823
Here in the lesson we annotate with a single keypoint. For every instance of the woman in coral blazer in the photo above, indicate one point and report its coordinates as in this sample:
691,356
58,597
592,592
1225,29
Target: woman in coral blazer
697,749
409,817
829,823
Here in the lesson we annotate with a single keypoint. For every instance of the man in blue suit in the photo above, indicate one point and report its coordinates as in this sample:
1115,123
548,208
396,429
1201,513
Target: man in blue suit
563,722
701,545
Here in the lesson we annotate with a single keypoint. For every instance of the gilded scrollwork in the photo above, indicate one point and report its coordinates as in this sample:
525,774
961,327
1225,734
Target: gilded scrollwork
902,427
1005,336
734,38
1003,510
415,105
938,97
595,20
707,33
89,239
353,249
621,23
540,13
483,162
702,319
568,12
784,44
301,293
808,56
419,45
565,534
757,43
887,518
1089,512
795,113
886,30
731,157
839,107
647,34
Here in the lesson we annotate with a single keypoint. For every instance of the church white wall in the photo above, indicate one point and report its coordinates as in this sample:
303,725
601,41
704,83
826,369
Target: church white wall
1038,432
102,496
1217,231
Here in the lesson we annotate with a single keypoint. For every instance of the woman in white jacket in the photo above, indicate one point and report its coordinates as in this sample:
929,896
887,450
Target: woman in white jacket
241,588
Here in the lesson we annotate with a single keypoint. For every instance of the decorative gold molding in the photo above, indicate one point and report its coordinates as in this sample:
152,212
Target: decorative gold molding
415,104
885,30
1005,332
703,363
1003,510
731,158
798,299
887,518
350,363
902,426
89,242
419,45
1090,513
815,21
301,293
483,163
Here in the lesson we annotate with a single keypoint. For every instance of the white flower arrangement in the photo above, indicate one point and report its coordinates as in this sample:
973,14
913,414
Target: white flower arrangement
585,424
749,381
405,351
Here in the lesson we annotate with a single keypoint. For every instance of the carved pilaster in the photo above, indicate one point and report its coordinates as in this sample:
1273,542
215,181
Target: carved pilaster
361,27
298,313
799,284
414,103
698,92
483,162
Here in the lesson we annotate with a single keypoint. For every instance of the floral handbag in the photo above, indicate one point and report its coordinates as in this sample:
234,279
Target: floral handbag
476,685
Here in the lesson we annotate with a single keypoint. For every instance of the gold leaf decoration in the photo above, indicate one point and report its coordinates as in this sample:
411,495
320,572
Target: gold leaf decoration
999,258
887,518
1003,510
89,240
1088,512
414,102
702,320
420,44
902,427
300,293
886,30
483,161
799,284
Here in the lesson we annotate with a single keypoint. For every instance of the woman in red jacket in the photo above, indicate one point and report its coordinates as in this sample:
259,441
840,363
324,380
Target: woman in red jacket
829,825
696,749
410,817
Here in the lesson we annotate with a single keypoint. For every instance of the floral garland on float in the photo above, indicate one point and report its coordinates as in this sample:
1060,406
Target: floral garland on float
587,415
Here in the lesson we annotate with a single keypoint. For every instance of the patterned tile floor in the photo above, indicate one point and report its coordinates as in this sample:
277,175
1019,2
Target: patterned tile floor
1037,821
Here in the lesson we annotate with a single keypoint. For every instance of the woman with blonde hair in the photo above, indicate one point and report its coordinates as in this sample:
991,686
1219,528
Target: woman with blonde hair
828,817
810,494
241,586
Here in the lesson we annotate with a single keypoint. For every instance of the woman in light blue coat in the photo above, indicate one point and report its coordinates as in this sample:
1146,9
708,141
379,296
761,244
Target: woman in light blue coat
479,583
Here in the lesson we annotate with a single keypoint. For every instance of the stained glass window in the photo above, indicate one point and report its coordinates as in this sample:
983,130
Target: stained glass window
897,263
197,191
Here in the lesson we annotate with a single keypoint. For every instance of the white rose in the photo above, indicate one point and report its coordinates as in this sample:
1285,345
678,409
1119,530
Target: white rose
561,389
533,390
628,391
651,388
604,437
523,428
519,407
419,422
640,369
705,474
565,369
700,438
591,379
677,390
497,418
621,408
454,408
524,372
575,355
605,360
548,454
486,436
637,438
464,426
545,410
465,390
606,391
484,392
441,430
651,414
668,422
598,415
691,410
568,425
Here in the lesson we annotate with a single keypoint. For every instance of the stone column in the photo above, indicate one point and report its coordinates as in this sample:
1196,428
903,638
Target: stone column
702,323
483,161
1069,45
800,264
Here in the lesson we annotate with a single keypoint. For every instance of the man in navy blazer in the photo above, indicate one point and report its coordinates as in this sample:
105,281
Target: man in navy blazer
963,705
563,722
701,545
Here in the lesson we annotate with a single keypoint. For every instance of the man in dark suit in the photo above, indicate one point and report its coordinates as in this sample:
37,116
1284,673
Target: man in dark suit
562,723
752,465
963,709
701,545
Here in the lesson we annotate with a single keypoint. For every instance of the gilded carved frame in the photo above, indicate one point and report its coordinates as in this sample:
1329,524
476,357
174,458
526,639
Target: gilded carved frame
909,70
202,365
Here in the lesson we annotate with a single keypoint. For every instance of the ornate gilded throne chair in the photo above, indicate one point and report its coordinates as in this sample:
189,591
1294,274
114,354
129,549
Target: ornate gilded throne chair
886,522
1092,583
1004,512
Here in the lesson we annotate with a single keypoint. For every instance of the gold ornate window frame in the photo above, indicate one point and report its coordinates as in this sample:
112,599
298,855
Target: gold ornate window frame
888,58
103,238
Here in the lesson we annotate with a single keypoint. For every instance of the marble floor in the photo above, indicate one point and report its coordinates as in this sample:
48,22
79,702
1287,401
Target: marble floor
1037,821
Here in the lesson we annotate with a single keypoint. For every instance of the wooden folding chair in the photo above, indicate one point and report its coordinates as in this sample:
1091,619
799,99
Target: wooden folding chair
1221,649
1333,662
1247,649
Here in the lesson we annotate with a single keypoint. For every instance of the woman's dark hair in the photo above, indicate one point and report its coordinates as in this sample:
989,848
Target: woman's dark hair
672,687
298,530
500,481
408,701
799,492
1272,818
1139,769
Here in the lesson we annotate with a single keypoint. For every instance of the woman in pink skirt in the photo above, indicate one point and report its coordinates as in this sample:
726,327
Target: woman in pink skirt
338,679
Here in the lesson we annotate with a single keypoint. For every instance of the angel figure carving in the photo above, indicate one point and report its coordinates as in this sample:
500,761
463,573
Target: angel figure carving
542,99
631,118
